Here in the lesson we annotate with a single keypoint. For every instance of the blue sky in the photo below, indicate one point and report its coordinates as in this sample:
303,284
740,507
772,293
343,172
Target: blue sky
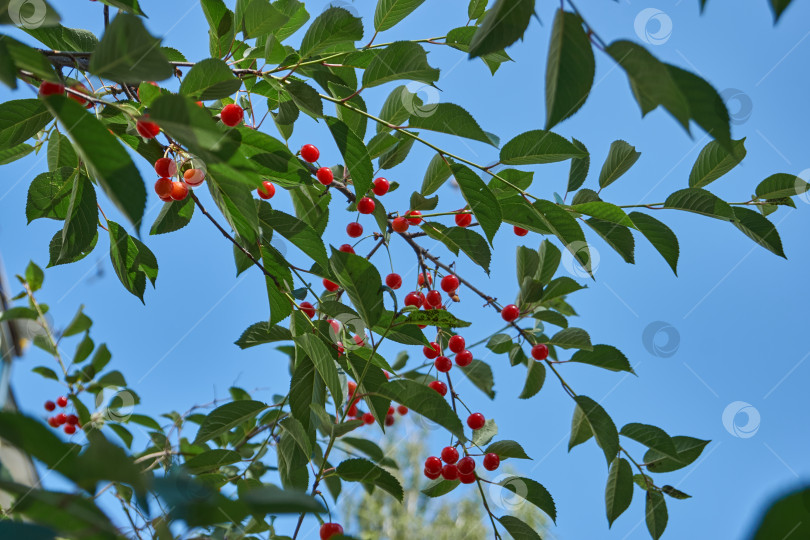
736,312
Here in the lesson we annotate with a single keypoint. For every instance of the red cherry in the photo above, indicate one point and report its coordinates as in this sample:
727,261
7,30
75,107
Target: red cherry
352,385
434,298
49,88
394,281
464,358
179,191
354,229
52,422
463,220
61,418
387,375
147,129
231,114
79,87
389,420
413,299
400,224
352,411
431,352
330,286
267,190
466,465
336,329
520,231
194,177
476,421
166,167
540,351
72,419
346,248
328,530
339,347
166,199
324,175
402,410
62,401
420,280
50,405
449,283
450,472
491,461
69,429
359,341
308,309
510,313
310,153
467,478
433,465
368,418
439,386
381,186
415,220
365,205
456,344
443,364
449,454
432,475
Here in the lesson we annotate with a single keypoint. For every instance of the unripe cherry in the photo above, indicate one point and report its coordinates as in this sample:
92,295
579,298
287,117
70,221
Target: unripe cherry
400,224
267,190
540,351
166,167
179,191
456,344
308,309
464,358
439,386
366,205
466,465
463,220
431,352
325,175
491,461
449,283
310,153
510,313
346,248
394,281
520,231
231,114
354,229
194,177
381,186
476,421
443,364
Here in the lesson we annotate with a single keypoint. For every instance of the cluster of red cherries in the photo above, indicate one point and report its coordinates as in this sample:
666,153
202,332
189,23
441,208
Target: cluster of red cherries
68,422
368,418
450,467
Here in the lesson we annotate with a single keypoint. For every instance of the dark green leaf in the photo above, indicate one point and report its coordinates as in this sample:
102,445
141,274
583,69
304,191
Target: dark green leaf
262,332
128,53
209,79
479,197
81,218
601,425
656,514
604,356
390,12
570,68
533,492
435,317
535,377
652,437
211,460
706,106
580,429
502,25
324,363
361,470
61,152
779,6
425,401
21,119
701,202
226,417
451,119
306,98
335,26
714,161
460,238
689,449
173,216
401,60
759,229
9,155
618,237
518,529
660,236
579,167
781,185
619,489
18,313
787,516
49,195
507,449
537,147
604,211
620,158
355,155
480,374
440,487
565,227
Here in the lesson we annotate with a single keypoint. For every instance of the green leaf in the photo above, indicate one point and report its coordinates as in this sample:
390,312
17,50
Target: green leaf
362,283
706,106
507,449
689,449
27,58
296,430
130,6
518,529
425,401
652,437
502,25
549,261
701,202
570,68
209,79
279,286
482,201
714,161
401,60
580,429
440,487
226,417
451,119
786,516
13,529
55,248
660,236
778,7
211,460
61,152
34,276
16,313
132,261
222,26
274,158
370,448
362,470
603,356
656,514
128,53
110,164
578,172
533,492
565,227
324,363
759,229
173,216
651,81
618,237
234,200
619,489
480,374
298,232
49,195
262,332
257,18
397,153
601,425
440,318
620,158
61,38
460,238
81,219
537,147
675,493
397,107
390,12
781,185
355,155
334,27
14,153
21,119
535,377
572,338
604,211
